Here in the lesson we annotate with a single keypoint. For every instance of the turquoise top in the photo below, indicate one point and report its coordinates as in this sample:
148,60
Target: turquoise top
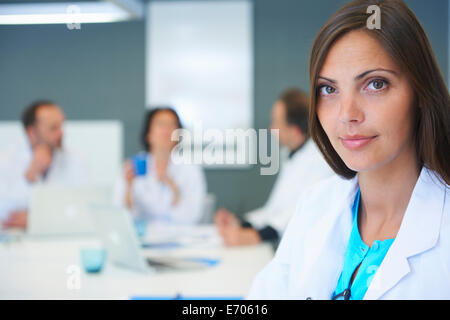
359,253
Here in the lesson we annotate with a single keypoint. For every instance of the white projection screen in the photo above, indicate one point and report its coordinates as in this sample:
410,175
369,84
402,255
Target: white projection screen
200,61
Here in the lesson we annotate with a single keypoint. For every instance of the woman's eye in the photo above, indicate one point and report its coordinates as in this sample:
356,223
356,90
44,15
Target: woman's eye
326,90
376,85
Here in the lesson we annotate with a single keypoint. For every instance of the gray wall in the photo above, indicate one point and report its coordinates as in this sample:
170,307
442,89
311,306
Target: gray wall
93,73
98,73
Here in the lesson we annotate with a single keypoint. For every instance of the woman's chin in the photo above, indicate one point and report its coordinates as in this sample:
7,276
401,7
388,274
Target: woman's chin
361,165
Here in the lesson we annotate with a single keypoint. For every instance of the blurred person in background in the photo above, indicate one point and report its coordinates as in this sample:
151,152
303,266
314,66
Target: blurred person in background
304,167
42,161
153,187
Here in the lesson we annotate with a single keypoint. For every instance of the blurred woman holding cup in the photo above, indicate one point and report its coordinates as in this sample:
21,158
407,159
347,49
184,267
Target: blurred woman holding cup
153,187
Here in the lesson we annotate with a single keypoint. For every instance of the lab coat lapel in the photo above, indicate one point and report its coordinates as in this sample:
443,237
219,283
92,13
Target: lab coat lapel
324,248
418,232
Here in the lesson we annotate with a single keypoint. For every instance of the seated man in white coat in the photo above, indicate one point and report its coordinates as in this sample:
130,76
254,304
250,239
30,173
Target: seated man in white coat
43,160
304,167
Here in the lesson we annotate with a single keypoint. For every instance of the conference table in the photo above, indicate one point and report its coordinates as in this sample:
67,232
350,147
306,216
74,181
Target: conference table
51,268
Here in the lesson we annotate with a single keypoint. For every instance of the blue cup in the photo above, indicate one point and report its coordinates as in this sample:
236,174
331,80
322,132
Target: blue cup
140,225
139,164
92,259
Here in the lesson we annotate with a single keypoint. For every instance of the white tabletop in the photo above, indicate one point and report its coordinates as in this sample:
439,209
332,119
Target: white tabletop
50,268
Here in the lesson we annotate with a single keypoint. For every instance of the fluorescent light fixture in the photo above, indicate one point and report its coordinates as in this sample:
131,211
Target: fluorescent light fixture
63,13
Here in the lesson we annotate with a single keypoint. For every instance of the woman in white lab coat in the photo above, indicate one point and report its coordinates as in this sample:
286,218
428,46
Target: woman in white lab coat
153,187
380,114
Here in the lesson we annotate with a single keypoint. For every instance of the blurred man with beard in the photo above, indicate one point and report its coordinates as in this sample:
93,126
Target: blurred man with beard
44,161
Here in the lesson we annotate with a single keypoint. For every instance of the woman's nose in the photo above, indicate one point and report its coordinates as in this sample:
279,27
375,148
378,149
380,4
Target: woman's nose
350,109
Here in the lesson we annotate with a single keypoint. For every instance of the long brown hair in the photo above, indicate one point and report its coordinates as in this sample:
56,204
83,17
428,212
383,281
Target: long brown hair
404,39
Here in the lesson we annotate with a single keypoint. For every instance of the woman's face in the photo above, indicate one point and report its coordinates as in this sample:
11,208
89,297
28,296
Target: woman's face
364,103
162,125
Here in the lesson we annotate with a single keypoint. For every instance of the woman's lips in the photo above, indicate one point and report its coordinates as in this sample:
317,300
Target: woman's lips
356,142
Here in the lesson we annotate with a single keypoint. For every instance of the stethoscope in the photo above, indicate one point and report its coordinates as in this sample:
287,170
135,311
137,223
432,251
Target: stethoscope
344,295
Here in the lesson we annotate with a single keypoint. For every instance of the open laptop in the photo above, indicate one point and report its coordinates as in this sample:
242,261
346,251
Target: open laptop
115,228
63,210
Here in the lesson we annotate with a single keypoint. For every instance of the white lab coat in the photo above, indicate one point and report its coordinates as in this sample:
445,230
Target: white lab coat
309,259
306,167
153,199
66,169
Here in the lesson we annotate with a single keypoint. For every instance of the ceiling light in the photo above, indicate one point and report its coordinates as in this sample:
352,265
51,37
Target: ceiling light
64,13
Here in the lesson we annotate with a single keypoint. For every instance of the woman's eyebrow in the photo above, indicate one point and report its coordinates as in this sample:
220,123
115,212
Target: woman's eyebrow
362,75
358,77
327,79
